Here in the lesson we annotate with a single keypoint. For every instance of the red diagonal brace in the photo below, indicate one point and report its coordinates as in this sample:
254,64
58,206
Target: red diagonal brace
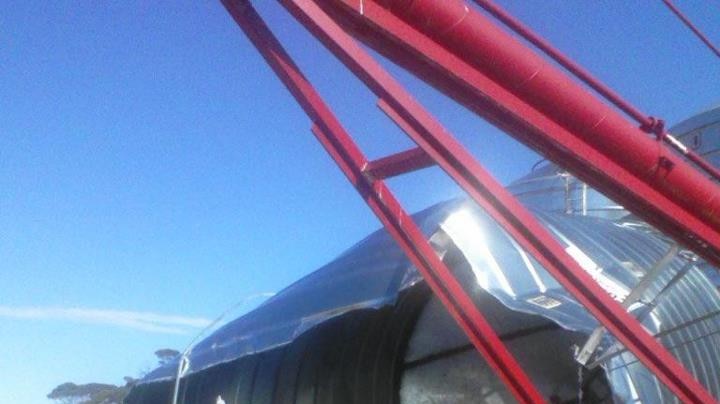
499,203
399,163
400,225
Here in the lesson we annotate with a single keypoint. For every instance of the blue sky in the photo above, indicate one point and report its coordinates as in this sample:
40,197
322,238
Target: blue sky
153,172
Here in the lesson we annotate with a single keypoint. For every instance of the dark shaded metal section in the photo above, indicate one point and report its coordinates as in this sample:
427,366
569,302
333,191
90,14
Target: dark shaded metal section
353,358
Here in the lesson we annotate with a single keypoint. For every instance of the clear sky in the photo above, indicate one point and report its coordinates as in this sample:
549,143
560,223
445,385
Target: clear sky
153,171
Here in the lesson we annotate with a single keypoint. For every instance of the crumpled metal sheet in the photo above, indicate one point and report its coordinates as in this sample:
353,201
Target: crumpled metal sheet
373,272
686,315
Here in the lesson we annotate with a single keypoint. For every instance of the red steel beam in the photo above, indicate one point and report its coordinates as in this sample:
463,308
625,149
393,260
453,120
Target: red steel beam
399,163
378,196
533,101
521,224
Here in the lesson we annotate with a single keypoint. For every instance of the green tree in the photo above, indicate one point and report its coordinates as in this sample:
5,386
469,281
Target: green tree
166,355
101,393
91,393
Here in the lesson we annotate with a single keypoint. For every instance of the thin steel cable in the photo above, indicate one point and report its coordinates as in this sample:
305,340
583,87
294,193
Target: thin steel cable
685,20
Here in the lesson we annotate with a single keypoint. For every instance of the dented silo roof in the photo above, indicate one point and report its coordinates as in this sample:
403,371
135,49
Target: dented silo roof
681,305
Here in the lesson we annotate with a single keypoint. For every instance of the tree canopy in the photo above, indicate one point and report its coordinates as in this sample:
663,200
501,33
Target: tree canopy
101,393
91,393
166,355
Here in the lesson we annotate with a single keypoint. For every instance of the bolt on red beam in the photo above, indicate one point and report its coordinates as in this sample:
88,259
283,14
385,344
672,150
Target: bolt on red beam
498,202
378,196
598,145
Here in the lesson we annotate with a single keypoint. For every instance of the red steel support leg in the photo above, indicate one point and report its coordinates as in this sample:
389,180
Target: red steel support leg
498,202
400,225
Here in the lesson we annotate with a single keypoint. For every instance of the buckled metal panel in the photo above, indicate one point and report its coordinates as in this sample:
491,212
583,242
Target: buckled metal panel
374,272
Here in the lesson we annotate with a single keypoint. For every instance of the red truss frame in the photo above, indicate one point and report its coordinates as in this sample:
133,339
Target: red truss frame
444,42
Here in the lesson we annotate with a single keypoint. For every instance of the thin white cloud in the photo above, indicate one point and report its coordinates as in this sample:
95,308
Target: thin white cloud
143,321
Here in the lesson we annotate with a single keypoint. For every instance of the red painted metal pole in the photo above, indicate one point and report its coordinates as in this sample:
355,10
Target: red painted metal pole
692,27
378,196
464,55
399,163
497,201
647,123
